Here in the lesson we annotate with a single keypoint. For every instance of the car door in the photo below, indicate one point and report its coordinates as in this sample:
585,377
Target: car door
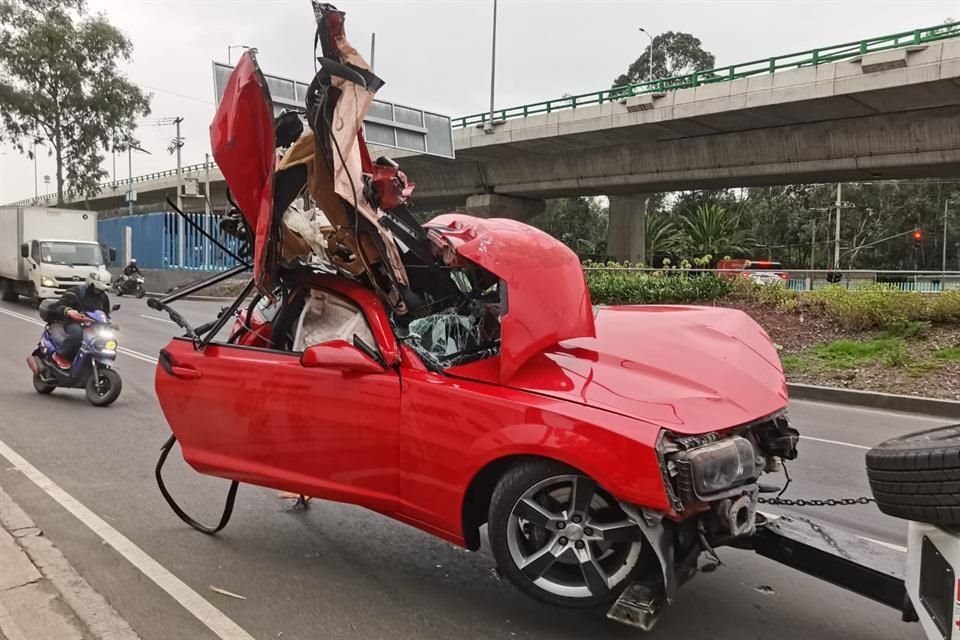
262,417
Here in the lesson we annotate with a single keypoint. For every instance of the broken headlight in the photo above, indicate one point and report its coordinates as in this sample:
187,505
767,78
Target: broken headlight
723,465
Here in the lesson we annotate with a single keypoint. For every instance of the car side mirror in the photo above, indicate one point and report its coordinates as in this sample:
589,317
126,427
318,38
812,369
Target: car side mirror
115,307
341,355
24,250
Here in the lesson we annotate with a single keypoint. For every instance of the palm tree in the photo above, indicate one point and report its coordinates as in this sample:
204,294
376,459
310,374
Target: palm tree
712,230
662,236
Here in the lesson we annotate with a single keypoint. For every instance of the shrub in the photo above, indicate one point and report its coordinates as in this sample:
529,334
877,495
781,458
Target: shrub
945,307
614,284
872,306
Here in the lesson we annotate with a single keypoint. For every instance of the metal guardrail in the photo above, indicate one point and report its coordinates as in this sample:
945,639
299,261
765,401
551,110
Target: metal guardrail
811,58
114,184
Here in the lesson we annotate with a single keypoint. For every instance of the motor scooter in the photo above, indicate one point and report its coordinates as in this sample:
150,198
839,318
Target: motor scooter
92,368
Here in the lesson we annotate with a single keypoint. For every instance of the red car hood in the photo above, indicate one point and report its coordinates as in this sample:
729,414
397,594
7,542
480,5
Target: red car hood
686,369
547,299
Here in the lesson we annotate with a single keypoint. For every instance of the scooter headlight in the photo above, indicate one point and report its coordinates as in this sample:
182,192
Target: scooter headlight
106,341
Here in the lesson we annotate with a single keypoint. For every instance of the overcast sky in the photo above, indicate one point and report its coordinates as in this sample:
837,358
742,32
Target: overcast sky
435,54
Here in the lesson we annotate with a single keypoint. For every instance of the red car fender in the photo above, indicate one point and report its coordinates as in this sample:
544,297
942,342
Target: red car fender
460,435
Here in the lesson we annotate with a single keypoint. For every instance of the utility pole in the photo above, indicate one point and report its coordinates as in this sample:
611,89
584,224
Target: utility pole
836,237
813,242
180,222
130,179
373,49
493,68
114,154
206,207
175,146
36,182
944,264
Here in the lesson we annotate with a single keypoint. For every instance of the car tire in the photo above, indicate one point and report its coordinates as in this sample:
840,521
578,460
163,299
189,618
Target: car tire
101,398
505,531
917,476
40,386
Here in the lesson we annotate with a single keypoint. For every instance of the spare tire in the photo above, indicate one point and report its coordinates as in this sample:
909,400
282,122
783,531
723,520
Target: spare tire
917,476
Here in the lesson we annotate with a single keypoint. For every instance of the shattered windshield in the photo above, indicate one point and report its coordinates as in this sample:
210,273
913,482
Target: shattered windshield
460,333
71,254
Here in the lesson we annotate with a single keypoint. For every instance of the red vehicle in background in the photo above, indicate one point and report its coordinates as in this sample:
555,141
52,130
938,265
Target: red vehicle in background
760,271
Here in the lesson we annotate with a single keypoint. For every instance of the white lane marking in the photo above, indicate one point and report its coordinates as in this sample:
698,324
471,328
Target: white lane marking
888,545
214,619
157,319
130,352
836,442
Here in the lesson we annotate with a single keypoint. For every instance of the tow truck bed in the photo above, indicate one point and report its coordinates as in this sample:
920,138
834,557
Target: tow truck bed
866,567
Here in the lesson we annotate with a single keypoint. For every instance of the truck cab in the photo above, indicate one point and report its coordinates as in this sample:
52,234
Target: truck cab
56,265
44,252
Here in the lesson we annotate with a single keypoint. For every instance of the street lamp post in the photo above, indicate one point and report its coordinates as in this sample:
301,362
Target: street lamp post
130,148
493,68
36,181
642,30
231,47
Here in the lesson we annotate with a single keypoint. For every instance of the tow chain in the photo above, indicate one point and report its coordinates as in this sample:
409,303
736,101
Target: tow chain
813,502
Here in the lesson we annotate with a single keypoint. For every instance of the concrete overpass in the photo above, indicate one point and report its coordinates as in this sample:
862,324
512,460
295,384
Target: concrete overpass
878,109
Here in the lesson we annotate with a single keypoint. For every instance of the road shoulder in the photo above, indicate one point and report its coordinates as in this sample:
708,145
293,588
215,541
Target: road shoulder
41,595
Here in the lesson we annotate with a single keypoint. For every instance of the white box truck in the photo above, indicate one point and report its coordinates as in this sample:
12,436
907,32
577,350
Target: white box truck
44,252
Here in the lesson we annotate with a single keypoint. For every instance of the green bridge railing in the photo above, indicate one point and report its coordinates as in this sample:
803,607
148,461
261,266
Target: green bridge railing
810,58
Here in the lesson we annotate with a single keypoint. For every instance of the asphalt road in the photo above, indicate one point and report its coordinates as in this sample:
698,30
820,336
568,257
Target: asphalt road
340,572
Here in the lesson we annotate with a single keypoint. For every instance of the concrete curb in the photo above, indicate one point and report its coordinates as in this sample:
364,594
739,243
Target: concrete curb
99,620
876,400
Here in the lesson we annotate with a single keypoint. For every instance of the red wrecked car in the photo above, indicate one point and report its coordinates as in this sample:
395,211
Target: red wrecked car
455,374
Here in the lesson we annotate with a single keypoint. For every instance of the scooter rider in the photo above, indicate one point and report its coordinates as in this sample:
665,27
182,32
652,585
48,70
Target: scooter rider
90,296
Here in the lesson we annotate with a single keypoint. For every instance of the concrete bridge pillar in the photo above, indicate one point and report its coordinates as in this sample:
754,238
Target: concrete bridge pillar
626,231
497,205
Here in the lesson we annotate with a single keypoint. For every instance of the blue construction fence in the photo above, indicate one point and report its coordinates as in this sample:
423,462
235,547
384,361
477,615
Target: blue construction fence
155,241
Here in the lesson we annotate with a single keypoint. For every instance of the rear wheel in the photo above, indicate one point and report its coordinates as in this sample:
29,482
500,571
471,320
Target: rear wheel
562,539
107,391
42,387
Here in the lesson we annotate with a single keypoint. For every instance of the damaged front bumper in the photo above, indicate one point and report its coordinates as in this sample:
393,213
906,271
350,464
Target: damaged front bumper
712,482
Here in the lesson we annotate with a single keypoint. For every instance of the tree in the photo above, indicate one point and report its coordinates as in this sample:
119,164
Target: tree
674,54
662,236
713,230
580,223
60,86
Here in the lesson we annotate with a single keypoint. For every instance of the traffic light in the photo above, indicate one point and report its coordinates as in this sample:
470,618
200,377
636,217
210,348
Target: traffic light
917,236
